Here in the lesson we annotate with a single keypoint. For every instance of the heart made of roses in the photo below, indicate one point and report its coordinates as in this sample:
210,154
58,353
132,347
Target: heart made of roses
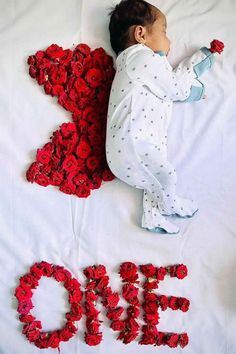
74,159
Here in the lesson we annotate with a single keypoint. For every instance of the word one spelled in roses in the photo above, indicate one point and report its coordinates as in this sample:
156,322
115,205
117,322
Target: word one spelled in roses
124,321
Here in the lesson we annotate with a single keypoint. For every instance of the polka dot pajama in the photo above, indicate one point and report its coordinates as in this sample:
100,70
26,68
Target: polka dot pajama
140,107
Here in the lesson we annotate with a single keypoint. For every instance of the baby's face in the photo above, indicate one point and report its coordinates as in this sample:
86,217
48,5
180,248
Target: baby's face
157,39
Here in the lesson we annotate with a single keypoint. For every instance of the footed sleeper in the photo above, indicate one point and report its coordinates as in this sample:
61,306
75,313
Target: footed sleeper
140,106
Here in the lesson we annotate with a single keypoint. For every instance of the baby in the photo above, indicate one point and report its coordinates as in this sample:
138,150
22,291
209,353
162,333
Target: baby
140,105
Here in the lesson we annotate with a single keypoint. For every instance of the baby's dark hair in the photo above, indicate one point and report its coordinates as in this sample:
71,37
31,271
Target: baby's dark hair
128,13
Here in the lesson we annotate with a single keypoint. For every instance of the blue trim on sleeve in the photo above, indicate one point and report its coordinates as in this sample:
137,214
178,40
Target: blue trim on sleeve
161,53
196,93
205,64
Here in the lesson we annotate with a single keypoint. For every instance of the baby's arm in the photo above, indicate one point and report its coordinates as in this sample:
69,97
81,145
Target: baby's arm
180,84
200,62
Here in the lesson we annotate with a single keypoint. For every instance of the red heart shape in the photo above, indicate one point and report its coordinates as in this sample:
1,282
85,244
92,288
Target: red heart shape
75,158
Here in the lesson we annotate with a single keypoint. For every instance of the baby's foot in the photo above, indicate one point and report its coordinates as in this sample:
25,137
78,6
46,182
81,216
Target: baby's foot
183,207
163,226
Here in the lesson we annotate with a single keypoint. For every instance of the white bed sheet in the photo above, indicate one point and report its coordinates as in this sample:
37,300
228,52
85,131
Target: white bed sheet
39,223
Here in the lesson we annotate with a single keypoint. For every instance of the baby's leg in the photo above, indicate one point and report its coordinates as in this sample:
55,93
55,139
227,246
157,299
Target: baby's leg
167,177
152,218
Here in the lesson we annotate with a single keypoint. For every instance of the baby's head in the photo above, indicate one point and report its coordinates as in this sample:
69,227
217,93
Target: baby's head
137,21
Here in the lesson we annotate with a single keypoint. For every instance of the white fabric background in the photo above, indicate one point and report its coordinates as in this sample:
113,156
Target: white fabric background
39,223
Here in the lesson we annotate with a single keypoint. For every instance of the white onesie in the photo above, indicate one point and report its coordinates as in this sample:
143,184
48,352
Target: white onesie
140,105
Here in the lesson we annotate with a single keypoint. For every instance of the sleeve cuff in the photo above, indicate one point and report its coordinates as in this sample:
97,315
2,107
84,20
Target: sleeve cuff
205,64
206,51
196,93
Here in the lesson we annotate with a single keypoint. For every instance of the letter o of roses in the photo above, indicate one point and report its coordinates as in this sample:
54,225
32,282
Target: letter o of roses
32,327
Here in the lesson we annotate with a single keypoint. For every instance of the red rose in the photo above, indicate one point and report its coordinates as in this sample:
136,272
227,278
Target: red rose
46,268
103,282
32,172
183,304
114,314
42,180
36,271
160,338
70,163
33,335
75,296
90,296
129,292
181,271
77,68
40,54
72,284
149,330
92,326
147,339
66,58
57,90
217,46
111,301
48,87
94,77
44,63
56,178
68,332
183,340
95,182
26,318
65,334
76,312
93,339
128,272
54,51
83,150
133,311
89,272
118,325
151,318
150,306
161,273
53,340
91,285
107,175
29,280
61,274
99,271
163,302
150,296
172,340
23,292
43,156
58,75
83,48
33,72
42,77
80,85
90,309
173,303
73,94
127,337
149,285
132,324
68,188
31,60
24,307
148,270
